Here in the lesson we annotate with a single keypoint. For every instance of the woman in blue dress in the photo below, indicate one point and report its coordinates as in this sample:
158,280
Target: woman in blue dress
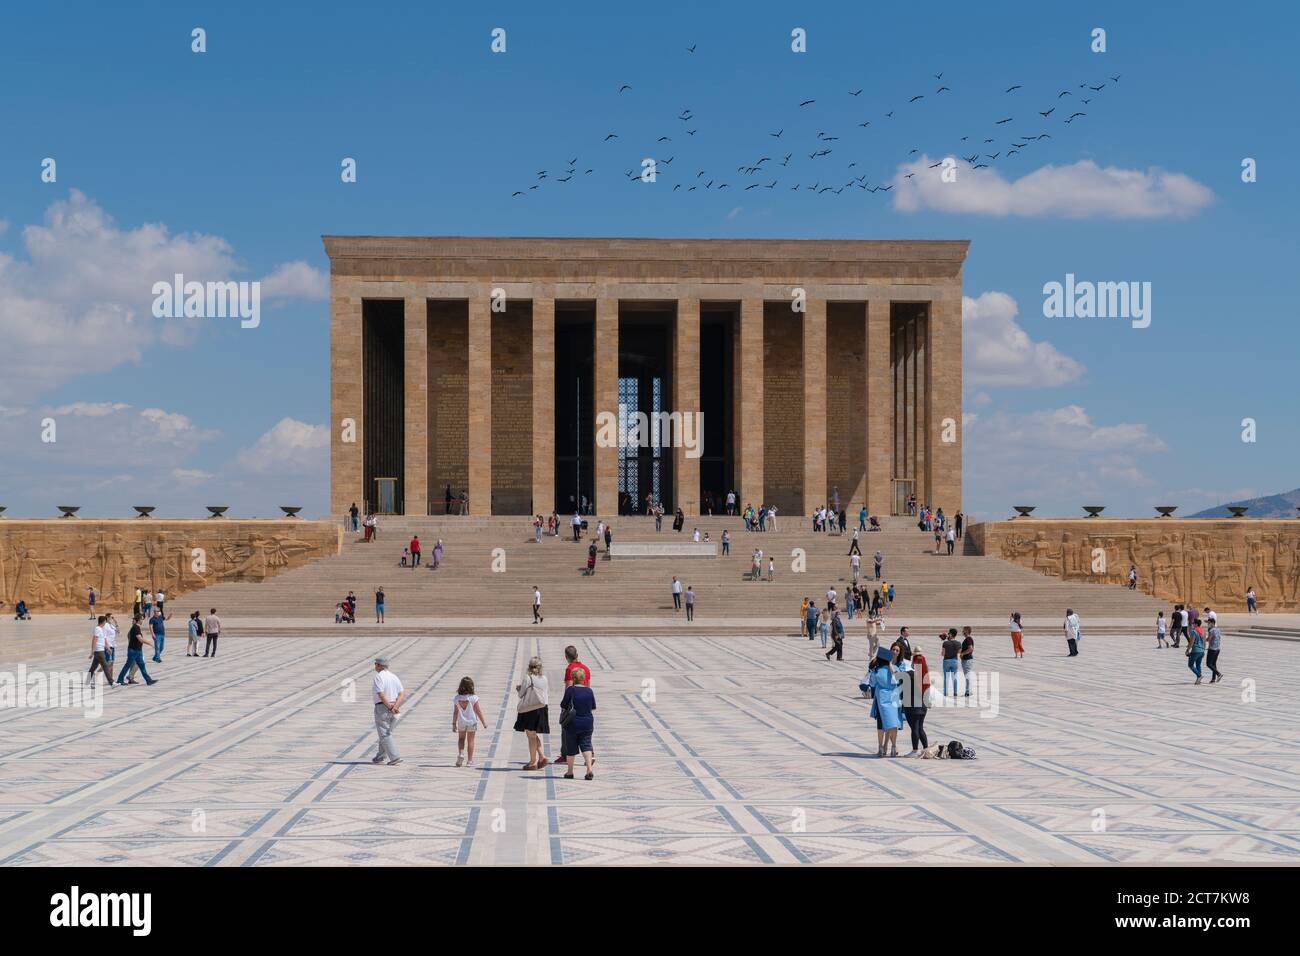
885,705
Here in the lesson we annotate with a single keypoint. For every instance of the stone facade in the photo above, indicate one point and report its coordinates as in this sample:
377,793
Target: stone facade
1200,562
52,563
815,399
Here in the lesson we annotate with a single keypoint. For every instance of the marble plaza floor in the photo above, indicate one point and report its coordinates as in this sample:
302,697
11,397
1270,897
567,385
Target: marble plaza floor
710,751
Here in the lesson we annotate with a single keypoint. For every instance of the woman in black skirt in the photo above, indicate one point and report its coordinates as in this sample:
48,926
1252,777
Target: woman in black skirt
533,718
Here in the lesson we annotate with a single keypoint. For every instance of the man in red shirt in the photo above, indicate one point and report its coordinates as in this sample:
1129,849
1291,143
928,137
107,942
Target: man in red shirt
415,550
571,655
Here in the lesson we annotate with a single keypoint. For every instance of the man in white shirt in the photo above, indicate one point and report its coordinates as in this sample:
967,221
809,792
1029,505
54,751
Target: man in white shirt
98,656
830,600
855,564
537,605
387,693
212,631
952,539
771,517
161,598
731,502
677,595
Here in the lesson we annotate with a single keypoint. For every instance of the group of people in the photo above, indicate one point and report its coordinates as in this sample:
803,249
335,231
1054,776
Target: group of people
103,642
414,551
1199,632
532,715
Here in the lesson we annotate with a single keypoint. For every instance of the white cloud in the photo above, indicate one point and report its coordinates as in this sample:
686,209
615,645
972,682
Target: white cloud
290,446
191,474
1082,190
997,351
81,299
296,280
1059,459
735,213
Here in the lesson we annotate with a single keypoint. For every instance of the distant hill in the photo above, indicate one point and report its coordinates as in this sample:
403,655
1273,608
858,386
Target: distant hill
1270,506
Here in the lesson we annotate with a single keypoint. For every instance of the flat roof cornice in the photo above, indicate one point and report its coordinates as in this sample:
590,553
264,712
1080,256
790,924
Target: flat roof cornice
947,251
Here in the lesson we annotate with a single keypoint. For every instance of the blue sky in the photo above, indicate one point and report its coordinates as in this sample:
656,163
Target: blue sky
228,161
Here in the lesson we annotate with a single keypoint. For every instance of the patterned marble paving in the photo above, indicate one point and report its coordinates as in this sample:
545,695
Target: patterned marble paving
710,751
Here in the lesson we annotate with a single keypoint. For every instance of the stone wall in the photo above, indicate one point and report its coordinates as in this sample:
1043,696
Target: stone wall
448,400
1197,561
512,410
52,563
846,402
783,435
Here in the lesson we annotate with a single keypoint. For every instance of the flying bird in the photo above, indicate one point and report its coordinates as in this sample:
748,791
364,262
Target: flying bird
890,114
665,139
915,98
1065,93
864,124
938,76
1116,78
1048,113
611,136
1010,89
855,92
1007,120
691,48
517,192
690,132
807,102
993,155
934,165
1097,89
777,134
908,176
624,87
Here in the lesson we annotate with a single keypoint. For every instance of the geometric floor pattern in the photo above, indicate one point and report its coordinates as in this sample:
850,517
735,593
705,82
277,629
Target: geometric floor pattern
709,751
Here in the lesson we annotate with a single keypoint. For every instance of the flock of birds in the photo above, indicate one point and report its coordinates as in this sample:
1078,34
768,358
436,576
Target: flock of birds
813,163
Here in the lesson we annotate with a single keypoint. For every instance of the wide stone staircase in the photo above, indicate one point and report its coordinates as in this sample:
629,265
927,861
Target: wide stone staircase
490,565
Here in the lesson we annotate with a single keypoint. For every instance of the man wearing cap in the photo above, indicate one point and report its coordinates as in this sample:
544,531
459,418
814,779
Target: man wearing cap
388,695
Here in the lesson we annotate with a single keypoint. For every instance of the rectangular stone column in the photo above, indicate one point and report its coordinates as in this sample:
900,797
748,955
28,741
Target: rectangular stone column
944,403
880,408
543,406
347,412
815,491
748,423
605,400
686,399
415,470
480,405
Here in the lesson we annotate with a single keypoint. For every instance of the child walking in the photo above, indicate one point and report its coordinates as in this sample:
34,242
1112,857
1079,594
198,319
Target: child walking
466,715
1161,630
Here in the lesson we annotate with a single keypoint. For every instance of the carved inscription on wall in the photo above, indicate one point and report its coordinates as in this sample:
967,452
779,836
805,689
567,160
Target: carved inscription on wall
1204,562
51,564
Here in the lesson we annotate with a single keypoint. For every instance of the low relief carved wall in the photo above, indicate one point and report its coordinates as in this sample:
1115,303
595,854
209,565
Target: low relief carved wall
1204,562
51,564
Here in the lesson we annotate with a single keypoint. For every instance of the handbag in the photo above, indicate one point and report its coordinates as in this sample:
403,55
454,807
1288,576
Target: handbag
529,698
566,715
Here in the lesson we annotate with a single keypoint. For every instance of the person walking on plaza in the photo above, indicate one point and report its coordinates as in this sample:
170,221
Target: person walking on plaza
810,620
387,693
135,642
1214,641
591,558
967,657
415,551
690,603
726,543
677,594
576,524
1250,601
466,715
609,538
1072,627
99,653
879,560
854,546
437,554
192,628
91,599
212,628
952,540
352,515
1017,633
1176,624
951,651
158,625
1161,629
1132,577
537,605
110,637
754,564
855,567
577,722
824,627
537,529
533,716
771,569
379,604
837,637
1196,650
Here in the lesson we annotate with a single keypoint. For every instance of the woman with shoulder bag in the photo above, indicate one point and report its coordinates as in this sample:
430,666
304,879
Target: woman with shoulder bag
533,718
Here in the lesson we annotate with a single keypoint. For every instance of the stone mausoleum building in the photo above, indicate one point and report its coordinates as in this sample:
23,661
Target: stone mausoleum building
485,364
